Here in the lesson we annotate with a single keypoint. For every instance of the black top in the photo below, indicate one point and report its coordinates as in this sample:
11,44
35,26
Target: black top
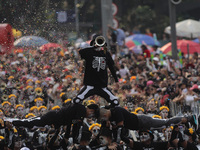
119,114
96,63
152,146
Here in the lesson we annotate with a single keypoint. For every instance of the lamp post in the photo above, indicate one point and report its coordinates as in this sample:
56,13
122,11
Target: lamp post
77,17
172,14
106,16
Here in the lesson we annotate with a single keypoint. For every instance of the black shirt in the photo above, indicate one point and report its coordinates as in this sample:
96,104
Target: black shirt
152,146
119,114
96,63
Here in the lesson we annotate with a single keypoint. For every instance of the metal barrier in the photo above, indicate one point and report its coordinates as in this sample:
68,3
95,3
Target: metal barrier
179,109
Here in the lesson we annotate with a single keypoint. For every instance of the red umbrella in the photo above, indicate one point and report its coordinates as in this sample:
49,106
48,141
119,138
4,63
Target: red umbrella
182,45
48,46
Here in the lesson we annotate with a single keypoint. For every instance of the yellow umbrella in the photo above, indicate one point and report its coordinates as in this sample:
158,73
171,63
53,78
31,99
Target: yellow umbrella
16,33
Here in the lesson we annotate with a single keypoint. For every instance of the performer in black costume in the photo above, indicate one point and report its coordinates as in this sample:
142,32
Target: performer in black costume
71,114
97,60
121,119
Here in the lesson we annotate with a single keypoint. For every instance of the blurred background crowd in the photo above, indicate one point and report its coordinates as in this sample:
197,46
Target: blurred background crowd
33,83
44,72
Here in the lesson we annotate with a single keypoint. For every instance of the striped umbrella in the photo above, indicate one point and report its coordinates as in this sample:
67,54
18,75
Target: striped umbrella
132,43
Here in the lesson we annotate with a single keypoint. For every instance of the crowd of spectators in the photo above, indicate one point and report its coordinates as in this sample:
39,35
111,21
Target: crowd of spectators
34,83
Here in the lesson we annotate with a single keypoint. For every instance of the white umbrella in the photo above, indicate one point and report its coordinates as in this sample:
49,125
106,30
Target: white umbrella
188,28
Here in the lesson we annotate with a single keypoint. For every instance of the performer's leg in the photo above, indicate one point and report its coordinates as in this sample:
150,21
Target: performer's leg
48,119
84,93
108,96
148,122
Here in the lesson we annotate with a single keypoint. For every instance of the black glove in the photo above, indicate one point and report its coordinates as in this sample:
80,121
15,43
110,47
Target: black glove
76,132
124,137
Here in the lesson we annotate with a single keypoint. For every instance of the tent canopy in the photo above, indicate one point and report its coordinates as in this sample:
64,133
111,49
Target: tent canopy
188,28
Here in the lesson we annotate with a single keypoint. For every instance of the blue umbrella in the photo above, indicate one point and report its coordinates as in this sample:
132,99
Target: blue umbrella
196,40
142,38
30,41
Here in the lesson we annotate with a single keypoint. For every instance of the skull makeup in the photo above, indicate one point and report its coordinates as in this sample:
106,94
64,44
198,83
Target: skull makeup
43,111
35,112
95,131
164,114
103,140
20,111
12,100
130,106
144,136
140,112
39,103
168,133
6,108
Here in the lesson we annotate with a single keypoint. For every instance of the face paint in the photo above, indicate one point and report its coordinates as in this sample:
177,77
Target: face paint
39,103
164,113
130,105
103,140
43,111
12,100
168,133
140,112
95,131
19,111
144,137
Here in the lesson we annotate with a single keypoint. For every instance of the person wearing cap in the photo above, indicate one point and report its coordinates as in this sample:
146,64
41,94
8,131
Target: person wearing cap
72,114
97,59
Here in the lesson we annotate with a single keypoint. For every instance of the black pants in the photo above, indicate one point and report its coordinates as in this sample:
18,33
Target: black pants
47,119
147,122
87,91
